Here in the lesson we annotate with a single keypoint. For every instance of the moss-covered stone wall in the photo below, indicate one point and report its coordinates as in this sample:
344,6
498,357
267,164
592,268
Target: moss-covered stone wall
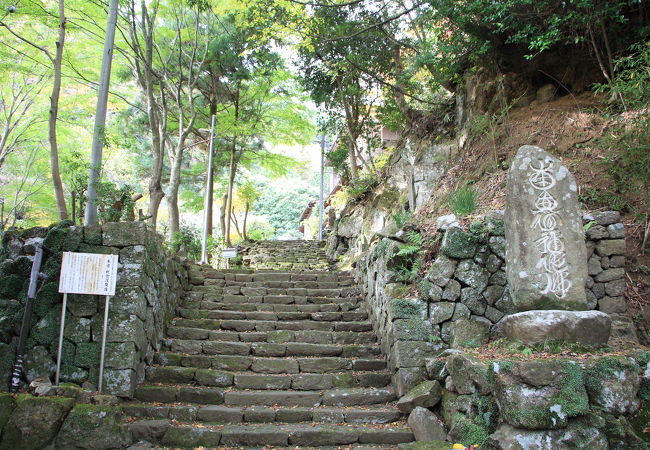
463,292
150,284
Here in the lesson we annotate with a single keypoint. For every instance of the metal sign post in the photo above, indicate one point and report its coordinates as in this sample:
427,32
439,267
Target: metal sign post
90,274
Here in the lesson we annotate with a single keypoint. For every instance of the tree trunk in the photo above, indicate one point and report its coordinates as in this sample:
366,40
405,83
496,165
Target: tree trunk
245,220
222,214
172,192
54,112
231,182
234,220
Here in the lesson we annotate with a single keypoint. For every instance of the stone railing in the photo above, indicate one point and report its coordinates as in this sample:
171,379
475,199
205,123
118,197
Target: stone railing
150,285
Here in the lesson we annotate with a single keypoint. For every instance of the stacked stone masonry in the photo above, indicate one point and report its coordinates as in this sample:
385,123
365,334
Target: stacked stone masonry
467,282
277,358
595,402
285,255
150,283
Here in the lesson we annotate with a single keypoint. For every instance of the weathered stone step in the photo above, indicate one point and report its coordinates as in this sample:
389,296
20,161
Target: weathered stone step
209,368
253,380
375,414
209,290
247,285
248,275
321,316
212,347
273,299
192,329
264,435
253,306
268,325
266,349
339,397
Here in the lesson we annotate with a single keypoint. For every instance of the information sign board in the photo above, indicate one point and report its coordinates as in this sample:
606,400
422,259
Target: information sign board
88,273
229,253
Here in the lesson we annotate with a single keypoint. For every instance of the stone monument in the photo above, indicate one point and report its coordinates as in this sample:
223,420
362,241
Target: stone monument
546,256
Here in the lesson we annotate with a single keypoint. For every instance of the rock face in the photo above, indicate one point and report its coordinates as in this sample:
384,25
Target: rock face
532,327
546,258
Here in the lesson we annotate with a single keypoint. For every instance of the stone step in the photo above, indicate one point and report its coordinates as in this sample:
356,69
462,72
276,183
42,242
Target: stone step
271,299
339,397
210,291
247,275
321,316
253,380
265,349
265,435
252,306
192,329
266,325
340,284
208,367
263,414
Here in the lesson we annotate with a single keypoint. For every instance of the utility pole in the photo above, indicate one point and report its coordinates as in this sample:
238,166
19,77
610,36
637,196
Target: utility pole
100,116
320,198
207,210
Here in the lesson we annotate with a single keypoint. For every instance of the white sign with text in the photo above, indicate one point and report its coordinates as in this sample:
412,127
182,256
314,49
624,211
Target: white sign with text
88,273
229,253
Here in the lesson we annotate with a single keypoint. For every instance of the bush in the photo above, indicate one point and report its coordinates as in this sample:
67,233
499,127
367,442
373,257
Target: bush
187,241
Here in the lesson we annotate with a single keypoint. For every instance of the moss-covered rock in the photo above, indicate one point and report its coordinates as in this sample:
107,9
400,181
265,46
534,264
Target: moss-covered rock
6,407
39,364
123,234
613,384
618,430
407,308
55,238
469,374
7,357
540,394
47,299
578,435
93,427
46,329
413,330
640,421
87,355
34,422
458,244
469,333
11,285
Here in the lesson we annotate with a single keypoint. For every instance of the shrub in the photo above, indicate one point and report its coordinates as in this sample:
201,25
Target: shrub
463,201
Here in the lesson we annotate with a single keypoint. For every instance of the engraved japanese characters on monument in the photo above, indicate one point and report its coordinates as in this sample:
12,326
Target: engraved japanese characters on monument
545,247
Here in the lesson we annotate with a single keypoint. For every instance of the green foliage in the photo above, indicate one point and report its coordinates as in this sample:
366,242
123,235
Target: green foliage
401,218
187,241
631,84
114,204
463,201
362,186
259,231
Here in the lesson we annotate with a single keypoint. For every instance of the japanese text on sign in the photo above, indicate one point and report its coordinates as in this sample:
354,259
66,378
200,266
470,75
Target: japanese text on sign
88,273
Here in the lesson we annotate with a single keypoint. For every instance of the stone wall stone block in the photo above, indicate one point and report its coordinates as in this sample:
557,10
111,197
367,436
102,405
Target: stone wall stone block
413,353
469,333
440,312
124,234
612,305
473,299
458,244
611,247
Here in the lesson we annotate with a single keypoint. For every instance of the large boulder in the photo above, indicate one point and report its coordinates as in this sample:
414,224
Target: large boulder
613,384
34,422
93,427
539,394
532,327
546,256
426,426
426,394
580,435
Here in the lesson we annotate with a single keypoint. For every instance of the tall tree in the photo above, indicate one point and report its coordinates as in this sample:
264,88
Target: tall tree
56,62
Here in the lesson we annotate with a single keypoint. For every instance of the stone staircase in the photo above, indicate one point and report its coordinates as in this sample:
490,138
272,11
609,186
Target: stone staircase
287,255
261,358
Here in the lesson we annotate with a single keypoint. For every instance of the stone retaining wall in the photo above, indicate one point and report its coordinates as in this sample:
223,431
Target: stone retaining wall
467,281
513,402
150,285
